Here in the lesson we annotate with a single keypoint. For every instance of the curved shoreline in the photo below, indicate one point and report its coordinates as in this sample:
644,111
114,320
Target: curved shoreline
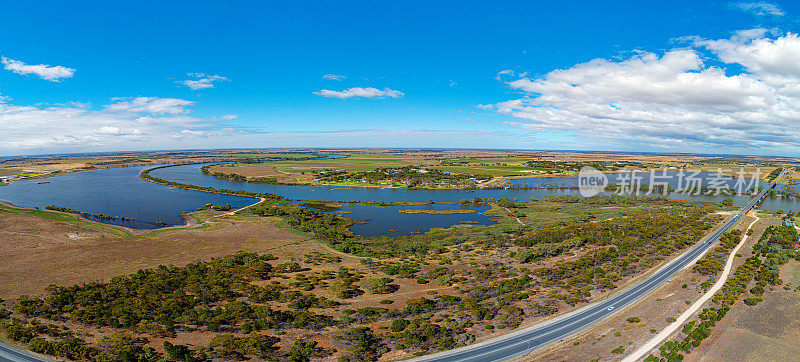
144,175
188,222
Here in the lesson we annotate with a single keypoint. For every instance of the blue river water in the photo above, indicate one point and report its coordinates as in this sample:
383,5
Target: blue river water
389,221
120,192
115,192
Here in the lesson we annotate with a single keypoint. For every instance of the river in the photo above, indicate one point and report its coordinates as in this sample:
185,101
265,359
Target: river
120,192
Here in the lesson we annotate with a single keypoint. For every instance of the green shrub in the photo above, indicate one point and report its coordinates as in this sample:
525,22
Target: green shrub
751,301
399,325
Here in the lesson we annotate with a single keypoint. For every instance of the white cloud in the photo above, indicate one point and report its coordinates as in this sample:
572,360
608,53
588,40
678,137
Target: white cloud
675,100
452,83
151,105
335,77
759,8
360,92
508,73
229,117
69,128
138,123
190,133
766,58
116,131
203,82
505,72
53,73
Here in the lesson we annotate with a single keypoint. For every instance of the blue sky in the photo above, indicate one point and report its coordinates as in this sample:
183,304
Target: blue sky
170,75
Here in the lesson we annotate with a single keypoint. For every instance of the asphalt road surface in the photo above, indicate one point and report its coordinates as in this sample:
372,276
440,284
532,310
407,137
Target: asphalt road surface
525,340
12,354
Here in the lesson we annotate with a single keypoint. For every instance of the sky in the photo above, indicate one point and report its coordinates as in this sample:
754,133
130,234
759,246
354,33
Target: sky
677,76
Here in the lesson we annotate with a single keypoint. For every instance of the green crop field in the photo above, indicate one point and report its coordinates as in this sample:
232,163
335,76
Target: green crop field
486,170
7,172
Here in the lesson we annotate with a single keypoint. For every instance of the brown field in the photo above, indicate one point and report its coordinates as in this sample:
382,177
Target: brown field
250,171
501,165
769,331
39,252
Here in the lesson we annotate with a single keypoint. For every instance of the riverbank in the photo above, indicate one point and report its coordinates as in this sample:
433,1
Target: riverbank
190,222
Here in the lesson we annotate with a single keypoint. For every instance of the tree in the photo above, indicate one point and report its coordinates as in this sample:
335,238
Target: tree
377,285
179,352
398,325
363,345
241,348
303,351
123,347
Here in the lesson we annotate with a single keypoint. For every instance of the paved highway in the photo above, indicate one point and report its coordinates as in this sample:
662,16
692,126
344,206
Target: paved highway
12,354
525,340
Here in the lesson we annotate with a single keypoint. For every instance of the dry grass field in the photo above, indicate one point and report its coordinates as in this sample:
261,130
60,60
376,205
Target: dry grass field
38,252
768,331
500,165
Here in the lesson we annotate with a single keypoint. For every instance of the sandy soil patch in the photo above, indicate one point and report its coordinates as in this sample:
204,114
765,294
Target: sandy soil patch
38,252
769,331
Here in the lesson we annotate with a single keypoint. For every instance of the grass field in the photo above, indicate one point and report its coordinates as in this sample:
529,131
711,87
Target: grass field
66,219
768,331
42,248
498,165
542,212
305,170
7,172
498,171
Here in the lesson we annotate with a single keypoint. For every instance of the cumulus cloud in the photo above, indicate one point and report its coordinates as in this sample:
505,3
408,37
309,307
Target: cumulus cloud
152,105
203,81
131,123
116,131
768,59
53,73
335,77
673,100
360,92
759,8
